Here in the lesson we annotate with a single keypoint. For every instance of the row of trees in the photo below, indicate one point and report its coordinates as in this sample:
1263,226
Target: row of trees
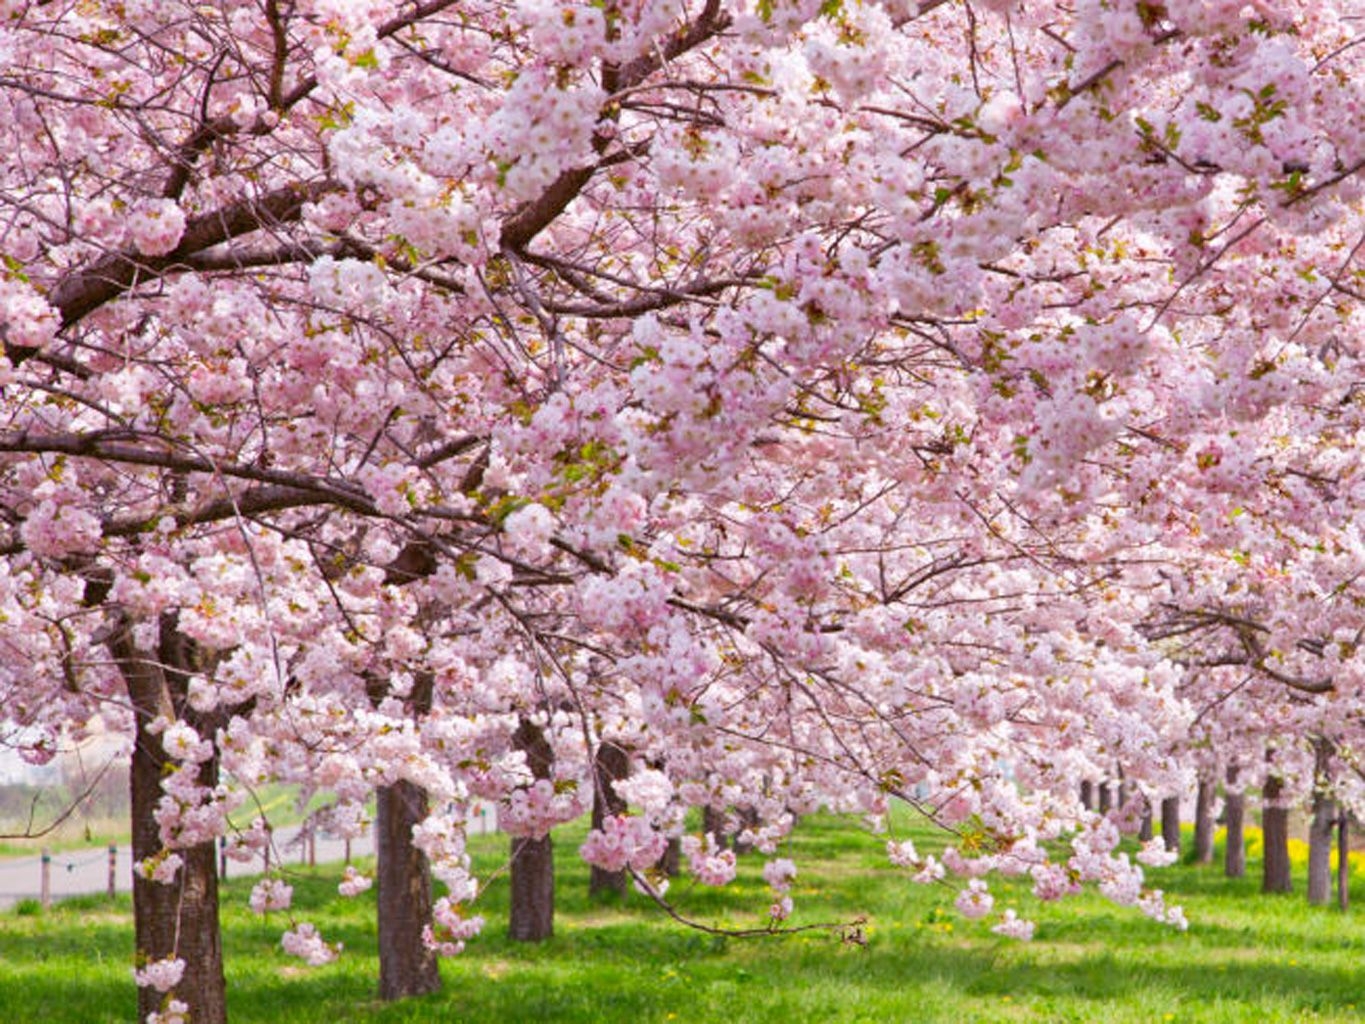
1329,825
788,404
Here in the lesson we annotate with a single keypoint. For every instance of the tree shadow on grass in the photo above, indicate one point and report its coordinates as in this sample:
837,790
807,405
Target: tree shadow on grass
1091,962
634,972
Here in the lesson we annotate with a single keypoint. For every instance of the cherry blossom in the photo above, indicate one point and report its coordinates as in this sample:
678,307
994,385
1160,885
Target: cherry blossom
303,941
162,975
828,412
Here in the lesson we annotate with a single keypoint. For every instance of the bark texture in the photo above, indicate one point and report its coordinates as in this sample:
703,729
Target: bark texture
1320,829
179,919
403,888
748,819
532,874
1170,823
1234,813
1203,821
1276,875
670,863
403,877
713,823
610,763
1344,860
1145,830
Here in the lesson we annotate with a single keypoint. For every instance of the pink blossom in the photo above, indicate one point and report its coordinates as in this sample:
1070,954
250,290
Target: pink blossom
1014,927
156,226
451,929
181,742
270,894
353,883
28,318
624,842
54,529
1153,904
975,900
162,975
779,874
303,941
160,867
902,854
175,1011
1154,853
710,864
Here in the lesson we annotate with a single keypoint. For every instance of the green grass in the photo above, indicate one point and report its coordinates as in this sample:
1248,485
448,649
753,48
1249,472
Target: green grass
1246,957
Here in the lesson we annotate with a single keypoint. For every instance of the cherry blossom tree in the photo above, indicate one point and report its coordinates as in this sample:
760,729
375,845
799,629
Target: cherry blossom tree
825,404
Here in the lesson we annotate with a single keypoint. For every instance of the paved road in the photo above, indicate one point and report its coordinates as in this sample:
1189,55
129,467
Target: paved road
80,872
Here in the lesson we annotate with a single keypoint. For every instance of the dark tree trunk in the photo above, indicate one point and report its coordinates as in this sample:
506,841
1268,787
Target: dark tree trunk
610,763
1234,811
1145,831
179,919
1170,823
1320,829
532,874
1344,860
748,819
1106,797
1276,875
713,823
403,890
1320,836
1087,794
671,861
1203,821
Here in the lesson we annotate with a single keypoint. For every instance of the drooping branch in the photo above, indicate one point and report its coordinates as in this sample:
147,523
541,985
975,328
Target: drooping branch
107,278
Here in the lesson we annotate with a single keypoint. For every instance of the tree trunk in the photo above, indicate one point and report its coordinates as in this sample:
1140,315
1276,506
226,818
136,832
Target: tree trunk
670,863
713,824
1145,830
179,919
403,889
1203,821
1320,838
1276,875
532,872
1106,791
1170,823
610,763
1234,810
1087,794
1320,829
748,819
1344,860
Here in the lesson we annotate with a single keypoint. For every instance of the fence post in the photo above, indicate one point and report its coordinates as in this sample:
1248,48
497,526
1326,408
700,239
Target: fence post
113,870
45,888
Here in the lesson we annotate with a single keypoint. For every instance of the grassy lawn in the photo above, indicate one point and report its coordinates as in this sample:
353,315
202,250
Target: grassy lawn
1246,957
